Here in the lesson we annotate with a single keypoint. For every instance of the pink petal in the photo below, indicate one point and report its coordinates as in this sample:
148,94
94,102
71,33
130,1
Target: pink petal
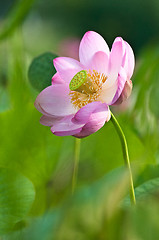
91,43
96,120
83,114
99,62
55,101
67,67
108,93
115,61
66,127
56,79
40,109
125,93
49,121
129,60
121,82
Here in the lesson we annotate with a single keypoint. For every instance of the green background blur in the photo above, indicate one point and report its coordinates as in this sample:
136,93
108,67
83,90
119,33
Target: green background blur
36,167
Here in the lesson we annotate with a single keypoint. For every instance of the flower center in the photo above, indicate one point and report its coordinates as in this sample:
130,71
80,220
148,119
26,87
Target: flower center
85,87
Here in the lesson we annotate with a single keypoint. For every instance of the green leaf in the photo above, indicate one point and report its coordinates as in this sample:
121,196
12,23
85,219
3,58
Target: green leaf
41,71
16,198
148,172
144,191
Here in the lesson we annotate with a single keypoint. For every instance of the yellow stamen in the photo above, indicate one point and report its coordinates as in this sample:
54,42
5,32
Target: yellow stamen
86,87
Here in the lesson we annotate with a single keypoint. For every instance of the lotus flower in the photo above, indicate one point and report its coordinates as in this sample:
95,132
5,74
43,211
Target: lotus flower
77,103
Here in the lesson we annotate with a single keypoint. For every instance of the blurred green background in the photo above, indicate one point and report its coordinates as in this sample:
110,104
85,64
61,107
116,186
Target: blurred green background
36,167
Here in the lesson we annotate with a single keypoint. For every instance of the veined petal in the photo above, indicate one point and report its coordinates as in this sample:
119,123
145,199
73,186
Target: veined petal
108,93
55,101
121,82
66,127
49,121
96,120
40,109
83,114
129,60
67,67
99,62
56,79
126,92
91,43
115,61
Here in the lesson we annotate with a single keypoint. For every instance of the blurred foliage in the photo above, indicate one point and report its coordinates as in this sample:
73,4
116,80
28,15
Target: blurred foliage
15,17
144,191
145,109
4,99
41,71
36,164
16,198
136,21
94,213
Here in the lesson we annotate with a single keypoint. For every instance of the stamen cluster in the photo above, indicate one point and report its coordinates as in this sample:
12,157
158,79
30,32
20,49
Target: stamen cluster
91,89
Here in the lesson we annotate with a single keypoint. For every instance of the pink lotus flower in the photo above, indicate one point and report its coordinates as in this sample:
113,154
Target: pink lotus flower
77,102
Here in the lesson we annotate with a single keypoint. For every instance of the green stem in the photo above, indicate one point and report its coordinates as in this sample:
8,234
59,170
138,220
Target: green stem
76,161
125,155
